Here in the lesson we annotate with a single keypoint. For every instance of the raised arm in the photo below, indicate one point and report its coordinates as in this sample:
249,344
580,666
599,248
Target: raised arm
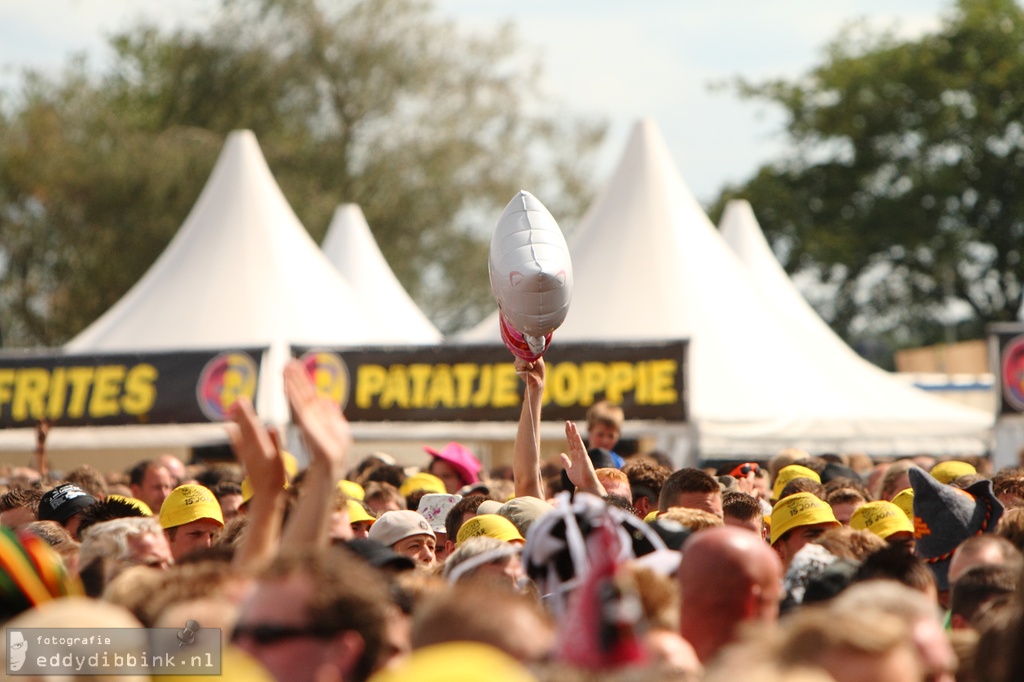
261,457
39,456
526,449
328,440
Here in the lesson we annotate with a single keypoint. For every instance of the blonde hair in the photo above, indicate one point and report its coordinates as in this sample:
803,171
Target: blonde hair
607,413
692,519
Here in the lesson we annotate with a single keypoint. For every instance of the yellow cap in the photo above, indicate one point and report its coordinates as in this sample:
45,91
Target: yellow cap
491,525
352,490
651,516
358,513
801,509
138,504
881,518
422,481
188,503
456,662
291,466
905,500
947,472
787,474
246,489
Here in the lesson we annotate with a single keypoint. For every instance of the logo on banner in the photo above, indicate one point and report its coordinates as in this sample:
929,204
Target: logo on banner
223,380
329,374
1013,373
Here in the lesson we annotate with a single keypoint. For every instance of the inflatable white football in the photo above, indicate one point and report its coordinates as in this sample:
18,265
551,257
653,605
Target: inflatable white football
531,275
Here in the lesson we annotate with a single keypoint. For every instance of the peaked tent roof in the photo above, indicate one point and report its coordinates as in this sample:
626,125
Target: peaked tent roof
648,264
743,234
241,272
349,245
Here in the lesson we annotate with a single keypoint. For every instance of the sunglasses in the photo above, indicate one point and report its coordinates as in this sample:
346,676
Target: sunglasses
744,469
269,634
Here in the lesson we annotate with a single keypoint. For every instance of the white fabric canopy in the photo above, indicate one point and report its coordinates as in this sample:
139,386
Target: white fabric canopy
649,265
349,245
241,272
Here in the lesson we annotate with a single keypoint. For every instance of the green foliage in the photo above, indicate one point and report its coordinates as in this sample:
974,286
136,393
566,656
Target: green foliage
901,189
376,102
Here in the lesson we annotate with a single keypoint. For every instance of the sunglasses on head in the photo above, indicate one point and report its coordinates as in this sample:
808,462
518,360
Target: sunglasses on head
269,634
744,469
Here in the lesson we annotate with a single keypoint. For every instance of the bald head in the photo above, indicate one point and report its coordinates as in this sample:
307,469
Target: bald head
727,576
982,550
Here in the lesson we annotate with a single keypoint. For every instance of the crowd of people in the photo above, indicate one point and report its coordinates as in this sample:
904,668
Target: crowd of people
831,567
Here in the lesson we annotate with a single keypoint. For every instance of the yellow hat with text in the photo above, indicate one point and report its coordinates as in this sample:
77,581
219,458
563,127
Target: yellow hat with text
787,474
188,503
881,518
801,509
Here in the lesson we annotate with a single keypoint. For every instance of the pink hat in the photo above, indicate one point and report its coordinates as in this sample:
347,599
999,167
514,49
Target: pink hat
462,460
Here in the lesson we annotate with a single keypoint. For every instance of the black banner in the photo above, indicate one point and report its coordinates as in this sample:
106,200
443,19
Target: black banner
479,383
127,388
1006,348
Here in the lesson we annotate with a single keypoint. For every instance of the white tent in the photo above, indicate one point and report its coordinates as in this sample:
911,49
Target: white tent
351,248
742,232
241,272
648,264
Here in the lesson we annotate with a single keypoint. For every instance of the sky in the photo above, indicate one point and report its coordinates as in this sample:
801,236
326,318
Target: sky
605,59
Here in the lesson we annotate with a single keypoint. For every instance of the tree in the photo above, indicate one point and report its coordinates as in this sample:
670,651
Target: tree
376,102
902,188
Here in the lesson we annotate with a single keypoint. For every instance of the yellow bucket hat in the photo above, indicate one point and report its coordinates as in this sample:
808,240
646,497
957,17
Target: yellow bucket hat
358,513
352,490
881,518
138,504
291,465
801,509
456,662
947,472
787,474
905,500
188,503
491,525
421,481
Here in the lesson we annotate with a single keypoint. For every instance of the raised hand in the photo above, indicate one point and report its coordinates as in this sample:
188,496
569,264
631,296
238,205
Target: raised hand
326,431
260,454
577,463
532,373
255,448
328,440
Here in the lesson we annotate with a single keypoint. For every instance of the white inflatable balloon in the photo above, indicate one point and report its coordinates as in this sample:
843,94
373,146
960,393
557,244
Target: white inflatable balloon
531,275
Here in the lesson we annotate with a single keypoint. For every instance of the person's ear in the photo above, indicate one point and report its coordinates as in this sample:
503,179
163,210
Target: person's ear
750,605
780,549
642,505
346,649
